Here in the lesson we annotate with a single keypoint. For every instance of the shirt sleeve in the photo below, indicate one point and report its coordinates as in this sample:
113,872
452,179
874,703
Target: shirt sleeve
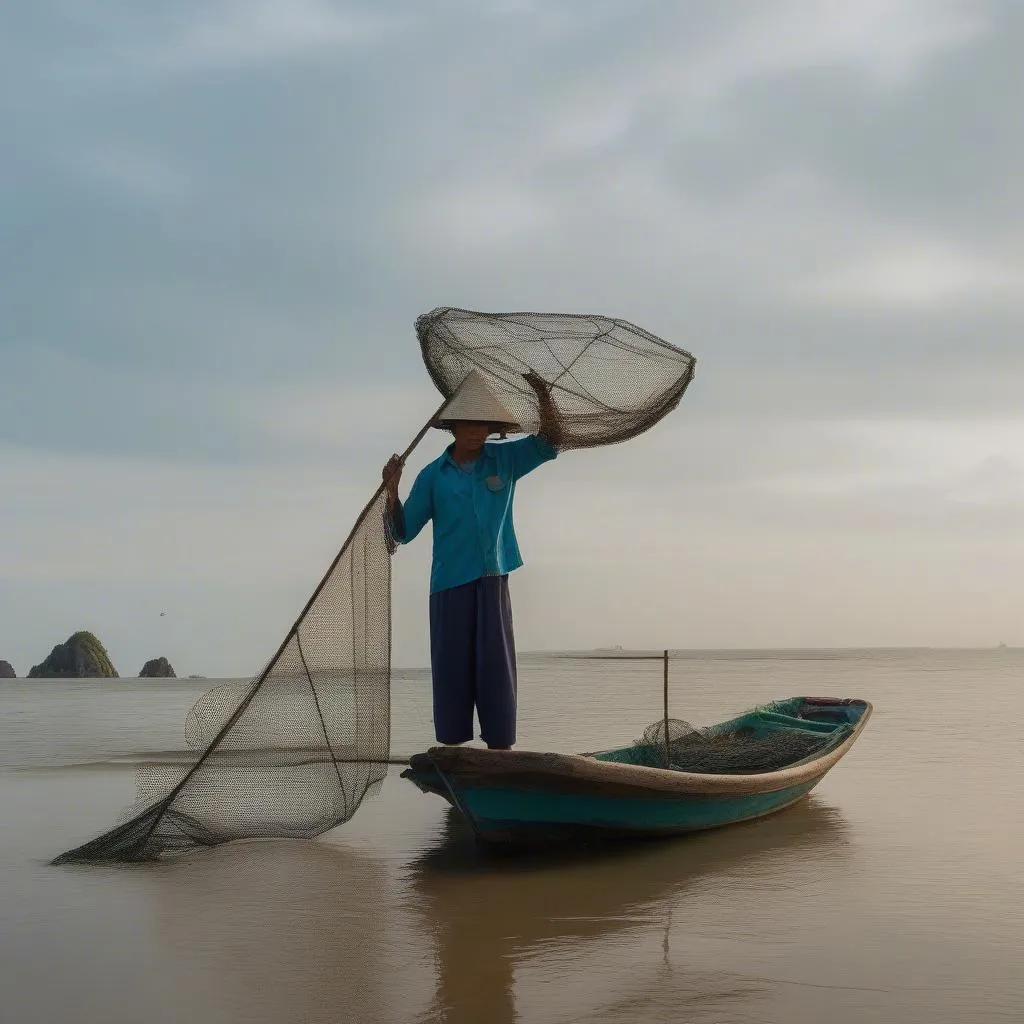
528,453
406,520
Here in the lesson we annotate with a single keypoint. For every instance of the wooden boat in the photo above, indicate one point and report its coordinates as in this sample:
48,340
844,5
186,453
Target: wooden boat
527,797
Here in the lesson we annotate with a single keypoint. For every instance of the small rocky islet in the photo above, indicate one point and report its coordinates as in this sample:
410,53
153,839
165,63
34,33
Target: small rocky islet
157,668
81,656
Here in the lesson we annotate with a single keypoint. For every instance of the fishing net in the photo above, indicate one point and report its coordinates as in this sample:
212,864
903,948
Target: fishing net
738,751
293,752
610,380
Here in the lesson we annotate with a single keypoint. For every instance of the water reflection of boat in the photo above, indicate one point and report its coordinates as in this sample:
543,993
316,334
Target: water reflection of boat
531,797
492,916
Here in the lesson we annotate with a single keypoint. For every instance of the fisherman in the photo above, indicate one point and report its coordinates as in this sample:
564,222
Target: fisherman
468,493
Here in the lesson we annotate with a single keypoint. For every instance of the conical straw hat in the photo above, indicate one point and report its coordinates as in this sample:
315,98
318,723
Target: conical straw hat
474,400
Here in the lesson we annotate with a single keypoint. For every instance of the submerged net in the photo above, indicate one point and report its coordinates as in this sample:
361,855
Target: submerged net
293,752
738,751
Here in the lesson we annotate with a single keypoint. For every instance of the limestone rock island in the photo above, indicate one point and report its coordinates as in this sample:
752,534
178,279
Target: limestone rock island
7,670
81,656
157,668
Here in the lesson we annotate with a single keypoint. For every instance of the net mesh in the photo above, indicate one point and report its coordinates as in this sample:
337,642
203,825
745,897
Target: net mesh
610,380
738,751
293,752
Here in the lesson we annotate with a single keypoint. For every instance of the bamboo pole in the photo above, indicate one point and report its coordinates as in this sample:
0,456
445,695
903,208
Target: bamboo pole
258,682
665,694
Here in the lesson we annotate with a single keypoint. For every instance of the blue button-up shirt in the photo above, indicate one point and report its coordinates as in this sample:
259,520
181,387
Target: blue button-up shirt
471,510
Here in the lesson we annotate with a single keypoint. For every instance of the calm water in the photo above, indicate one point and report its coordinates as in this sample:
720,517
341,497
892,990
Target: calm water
893,894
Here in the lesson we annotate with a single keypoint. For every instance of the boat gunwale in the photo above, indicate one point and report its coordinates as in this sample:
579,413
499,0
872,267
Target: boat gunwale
540,769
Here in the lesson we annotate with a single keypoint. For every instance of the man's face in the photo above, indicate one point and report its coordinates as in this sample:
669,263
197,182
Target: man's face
471,435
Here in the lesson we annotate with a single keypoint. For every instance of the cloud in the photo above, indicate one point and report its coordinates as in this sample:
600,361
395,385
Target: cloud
107,543
683,64
98,47
978,462
232,33
129,172
890,43
483,219
97,518
920,275
220,221
349,423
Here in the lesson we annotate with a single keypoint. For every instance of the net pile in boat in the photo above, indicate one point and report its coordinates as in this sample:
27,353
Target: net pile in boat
735,752
293,752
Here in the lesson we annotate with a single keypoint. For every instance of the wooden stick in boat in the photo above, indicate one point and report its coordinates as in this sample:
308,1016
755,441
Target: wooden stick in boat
667,763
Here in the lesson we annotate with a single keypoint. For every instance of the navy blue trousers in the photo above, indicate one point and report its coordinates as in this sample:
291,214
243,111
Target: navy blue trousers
473,662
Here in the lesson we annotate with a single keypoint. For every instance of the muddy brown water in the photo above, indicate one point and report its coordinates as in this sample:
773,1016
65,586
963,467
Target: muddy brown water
892,894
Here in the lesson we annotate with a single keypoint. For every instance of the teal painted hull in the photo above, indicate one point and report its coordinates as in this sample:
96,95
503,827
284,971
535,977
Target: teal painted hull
530,798
497,814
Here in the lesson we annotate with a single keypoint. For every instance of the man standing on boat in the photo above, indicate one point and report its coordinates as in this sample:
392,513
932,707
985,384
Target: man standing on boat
468,494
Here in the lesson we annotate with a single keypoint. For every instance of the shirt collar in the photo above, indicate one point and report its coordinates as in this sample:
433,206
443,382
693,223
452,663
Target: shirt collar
447,459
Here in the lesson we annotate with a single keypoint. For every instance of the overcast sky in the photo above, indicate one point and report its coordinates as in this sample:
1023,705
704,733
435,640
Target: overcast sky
218,221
